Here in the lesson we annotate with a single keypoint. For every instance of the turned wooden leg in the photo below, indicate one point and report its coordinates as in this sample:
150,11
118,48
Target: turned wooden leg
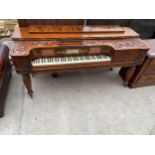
129,73
27,81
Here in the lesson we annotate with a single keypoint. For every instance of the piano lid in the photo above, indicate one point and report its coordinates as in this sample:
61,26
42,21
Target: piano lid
72,32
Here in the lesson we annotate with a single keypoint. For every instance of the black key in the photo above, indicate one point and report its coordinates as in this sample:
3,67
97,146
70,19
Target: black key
93,57
81,58
61,58
65,59
87,58
69,58
74,58
98,56
56,59
78,58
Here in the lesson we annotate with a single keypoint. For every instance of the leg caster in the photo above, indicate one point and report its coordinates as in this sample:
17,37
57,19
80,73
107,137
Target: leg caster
30,93
55,75
1,113
111,69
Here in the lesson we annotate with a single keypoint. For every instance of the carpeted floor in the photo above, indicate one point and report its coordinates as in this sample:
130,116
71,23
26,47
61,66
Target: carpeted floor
88,102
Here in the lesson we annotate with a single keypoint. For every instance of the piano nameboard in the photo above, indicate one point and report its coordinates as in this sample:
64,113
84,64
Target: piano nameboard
96,32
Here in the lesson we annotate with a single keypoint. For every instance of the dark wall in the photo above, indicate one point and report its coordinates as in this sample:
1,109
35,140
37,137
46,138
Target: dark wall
28,22
145,27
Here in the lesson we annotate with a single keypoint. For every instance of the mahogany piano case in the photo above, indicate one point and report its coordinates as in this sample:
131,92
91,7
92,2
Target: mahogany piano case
5,74
58,48
145,73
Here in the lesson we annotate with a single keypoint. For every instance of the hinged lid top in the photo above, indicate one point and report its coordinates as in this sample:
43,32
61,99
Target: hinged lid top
72,32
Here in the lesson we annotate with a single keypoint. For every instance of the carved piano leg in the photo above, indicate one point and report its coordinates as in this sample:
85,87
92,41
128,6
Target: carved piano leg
129,73
27,81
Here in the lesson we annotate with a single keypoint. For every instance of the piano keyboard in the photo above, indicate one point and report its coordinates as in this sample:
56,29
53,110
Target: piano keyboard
70,60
